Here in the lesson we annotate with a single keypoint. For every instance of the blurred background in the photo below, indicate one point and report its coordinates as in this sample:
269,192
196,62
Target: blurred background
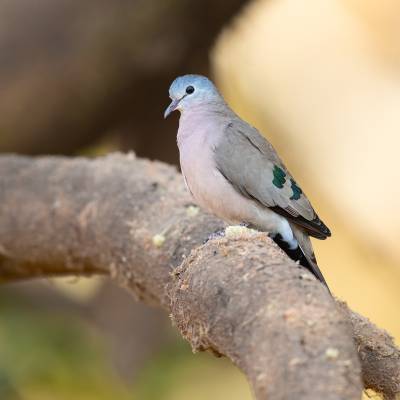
320,79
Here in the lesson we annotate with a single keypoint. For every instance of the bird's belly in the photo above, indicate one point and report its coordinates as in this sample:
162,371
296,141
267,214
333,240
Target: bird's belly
208,187
212,192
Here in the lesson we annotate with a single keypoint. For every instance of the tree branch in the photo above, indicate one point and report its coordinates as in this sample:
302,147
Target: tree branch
237,295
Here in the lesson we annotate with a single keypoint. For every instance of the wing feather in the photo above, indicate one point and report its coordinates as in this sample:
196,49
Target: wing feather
247,160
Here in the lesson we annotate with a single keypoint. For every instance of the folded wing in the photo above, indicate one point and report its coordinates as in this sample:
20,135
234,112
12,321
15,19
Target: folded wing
250,163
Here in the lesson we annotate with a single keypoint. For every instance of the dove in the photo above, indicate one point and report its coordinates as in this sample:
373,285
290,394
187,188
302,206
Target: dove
232,171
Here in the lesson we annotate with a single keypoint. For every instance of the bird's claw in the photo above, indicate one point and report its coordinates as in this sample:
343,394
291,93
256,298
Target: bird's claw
215,235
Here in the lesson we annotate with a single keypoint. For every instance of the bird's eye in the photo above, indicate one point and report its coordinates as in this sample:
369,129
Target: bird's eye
189,90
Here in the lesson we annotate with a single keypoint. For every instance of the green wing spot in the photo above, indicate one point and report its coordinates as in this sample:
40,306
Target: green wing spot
279,177
296,190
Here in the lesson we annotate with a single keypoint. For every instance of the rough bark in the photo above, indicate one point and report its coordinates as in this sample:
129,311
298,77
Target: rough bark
237,295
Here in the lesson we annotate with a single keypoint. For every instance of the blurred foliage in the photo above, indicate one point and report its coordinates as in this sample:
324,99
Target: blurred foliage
52,357
177,374
48,356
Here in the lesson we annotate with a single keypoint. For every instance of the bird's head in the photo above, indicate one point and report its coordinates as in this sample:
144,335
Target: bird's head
190,91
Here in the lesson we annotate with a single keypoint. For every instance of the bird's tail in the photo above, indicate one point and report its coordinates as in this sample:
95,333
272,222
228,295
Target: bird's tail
304,253
306,248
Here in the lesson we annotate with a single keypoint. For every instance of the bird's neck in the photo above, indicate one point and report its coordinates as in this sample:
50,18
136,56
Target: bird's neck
202,125
202,113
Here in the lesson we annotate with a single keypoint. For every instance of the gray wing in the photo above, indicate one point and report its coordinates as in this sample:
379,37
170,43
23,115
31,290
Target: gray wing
250,163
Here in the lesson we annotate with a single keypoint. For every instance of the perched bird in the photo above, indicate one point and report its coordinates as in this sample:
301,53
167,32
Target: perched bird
232,171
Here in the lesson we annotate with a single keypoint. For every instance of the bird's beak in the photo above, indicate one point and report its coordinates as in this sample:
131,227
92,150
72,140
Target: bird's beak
172,107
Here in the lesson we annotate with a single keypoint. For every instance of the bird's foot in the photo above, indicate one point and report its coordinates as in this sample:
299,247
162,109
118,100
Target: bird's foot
215,235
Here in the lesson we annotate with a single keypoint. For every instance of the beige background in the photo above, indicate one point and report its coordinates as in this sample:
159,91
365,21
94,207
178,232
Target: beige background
321,79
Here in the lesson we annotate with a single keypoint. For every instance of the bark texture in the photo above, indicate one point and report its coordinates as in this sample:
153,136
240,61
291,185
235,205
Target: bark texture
237,295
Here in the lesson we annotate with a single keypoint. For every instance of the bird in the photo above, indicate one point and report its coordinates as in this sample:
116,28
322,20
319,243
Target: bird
233,172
